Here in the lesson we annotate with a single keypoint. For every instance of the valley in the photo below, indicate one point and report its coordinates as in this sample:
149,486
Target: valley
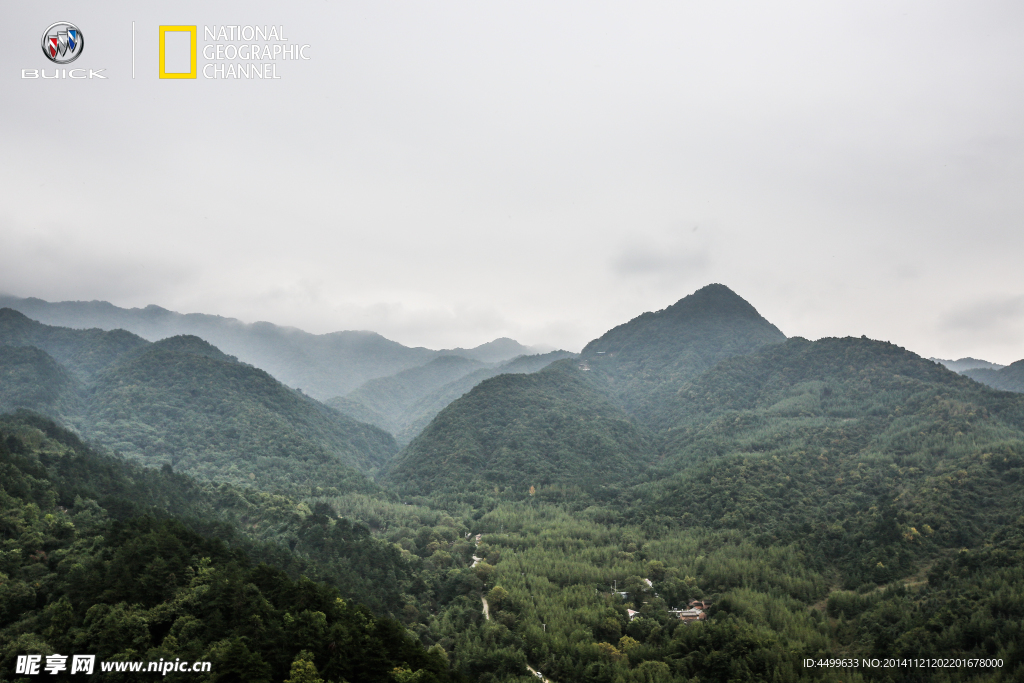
475,517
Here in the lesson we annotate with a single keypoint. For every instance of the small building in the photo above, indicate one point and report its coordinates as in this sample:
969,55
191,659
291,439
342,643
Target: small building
633,614
688,615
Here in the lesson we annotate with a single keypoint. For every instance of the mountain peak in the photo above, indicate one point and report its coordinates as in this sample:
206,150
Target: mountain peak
188,343
710,312
713,299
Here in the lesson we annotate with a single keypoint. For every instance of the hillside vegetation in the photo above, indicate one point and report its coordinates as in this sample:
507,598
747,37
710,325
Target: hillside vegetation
322,365
91,561
551,427
183,402
644,360
842,499
404,404
1010,378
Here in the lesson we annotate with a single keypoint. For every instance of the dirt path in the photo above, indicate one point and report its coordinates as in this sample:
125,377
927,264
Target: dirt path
487,616
541,677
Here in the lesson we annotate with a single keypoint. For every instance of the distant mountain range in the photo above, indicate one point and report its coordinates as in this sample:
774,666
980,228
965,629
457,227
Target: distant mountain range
1009,378
584,422
967,364
406,402
839,497
322,365
652,391
183,402
1004,377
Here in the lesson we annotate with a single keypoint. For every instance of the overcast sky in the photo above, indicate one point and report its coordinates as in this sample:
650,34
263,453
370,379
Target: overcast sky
445,173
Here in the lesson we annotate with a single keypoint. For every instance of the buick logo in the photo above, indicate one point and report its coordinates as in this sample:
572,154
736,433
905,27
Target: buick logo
62,43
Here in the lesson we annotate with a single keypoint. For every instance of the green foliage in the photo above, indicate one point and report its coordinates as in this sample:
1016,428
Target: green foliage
85,578
219,419
31,379
522,430
404,404
1010,378
183,402
83,352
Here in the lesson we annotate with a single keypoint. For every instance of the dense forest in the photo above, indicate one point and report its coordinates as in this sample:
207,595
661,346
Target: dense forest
183,402
693,498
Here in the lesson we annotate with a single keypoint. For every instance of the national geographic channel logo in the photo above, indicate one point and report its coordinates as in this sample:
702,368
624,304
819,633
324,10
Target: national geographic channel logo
229,51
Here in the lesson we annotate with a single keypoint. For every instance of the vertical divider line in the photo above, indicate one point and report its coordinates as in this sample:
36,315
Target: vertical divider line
133,49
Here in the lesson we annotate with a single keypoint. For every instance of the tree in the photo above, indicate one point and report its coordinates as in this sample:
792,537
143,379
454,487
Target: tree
303,670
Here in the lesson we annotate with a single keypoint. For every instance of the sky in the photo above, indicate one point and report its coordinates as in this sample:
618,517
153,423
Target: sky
447,173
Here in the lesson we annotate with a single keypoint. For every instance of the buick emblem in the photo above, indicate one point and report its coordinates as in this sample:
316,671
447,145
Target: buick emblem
62,43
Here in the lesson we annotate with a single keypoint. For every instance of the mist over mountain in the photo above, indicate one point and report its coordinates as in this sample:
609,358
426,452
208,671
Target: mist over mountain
968,363
813,499
560,426
383,401
1008,378
547,428
322,365
404,404
82,352
181,401
643,359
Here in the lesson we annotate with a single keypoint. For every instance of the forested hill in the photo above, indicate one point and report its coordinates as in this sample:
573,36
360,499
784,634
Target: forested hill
583,420
419,414
548,428
851,447
405,403
101,557
82,352
1009,378
183,402
385,401
30,378
322,365
643,360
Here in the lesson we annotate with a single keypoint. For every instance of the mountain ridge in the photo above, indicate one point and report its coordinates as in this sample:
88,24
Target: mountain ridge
324,365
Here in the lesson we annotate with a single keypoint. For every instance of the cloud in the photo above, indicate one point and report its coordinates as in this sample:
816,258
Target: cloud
986,315
681,254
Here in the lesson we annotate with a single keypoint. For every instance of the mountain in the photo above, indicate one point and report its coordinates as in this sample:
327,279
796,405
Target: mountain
850,447
31,379
419,414
384,401
182,401
1009,378
404,404
495,351
582,420
520,430
322,365
826,500
642,360
965,364
129,564
82,352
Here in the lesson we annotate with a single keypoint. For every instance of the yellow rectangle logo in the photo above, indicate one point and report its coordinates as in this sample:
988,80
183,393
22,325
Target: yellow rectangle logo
178,51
